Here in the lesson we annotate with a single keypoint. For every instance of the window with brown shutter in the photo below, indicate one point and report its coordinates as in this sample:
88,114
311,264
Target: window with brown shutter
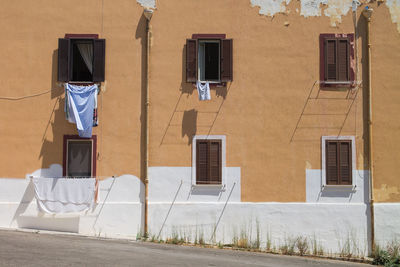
338,162
209,57
81,58
208,162
336,56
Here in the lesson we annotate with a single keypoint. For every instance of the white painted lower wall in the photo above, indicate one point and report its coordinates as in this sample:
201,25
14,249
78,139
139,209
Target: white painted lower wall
387,222
177,208
117,213
331,226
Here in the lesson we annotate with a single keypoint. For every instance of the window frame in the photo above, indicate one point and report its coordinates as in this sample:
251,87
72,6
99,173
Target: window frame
68,138
222,139
69,61
220,38
200,68
336,84
324,140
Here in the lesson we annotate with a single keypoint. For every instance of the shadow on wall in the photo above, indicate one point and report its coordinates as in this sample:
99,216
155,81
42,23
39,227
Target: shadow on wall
189,119
362,36
189,124
52,144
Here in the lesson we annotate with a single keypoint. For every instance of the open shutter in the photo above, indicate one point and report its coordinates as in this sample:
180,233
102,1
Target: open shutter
202,162
63,59
191,60
226,60
345,167
343,59
215,162
332,162
99,52
330,60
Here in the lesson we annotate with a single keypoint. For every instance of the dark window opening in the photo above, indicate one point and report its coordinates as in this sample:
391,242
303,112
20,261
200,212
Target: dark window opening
82,60
209,57
211,62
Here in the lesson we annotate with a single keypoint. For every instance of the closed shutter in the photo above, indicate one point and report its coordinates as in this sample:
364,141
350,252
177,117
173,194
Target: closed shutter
226,60
191,60
215,162
99,49
63,59
202,162
345,167
343,59
330,60
332,163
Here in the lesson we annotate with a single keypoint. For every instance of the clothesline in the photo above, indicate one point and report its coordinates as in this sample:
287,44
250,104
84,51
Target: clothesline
13,98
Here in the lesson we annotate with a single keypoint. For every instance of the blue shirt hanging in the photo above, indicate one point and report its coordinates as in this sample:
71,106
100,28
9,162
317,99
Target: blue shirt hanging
80,105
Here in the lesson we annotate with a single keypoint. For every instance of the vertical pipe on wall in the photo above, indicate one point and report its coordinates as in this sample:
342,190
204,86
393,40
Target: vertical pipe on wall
367,14
148,14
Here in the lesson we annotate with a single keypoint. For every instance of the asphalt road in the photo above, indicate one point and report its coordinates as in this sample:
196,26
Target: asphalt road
32,249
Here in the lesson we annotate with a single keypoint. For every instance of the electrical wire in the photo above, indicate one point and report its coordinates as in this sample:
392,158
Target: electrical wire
24,97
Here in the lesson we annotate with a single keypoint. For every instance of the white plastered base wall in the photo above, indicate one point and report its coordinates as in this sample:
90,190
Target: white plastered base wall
117,213
179,208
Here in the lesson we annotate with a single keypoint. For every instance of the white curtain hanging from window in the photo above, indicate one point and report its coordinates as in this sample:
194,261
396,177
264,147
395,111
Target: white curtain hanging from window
86,51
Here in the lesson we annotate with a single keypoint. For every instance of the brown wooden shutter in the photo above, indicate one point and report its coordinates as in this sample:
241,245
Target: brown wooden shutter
63,59
202,162
345,167
191,60
332,162
330,60
226,60
99,52
215,162
343,59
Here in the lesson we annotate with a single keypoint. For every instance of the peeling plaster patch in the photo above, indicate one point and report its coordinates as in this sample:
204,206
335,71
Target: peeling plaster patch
270,7
394,8
336,9
311,8
384,193
147,3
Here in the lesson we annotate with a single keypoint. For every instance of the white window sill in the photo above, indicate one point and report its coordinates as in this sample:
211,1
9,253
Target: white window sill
210,82
339,187
209,186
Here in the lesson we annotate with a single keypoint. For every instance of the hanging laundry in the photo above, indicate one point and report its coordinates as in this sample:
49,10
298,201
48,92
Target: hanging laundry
203,90
95,113
64,195
79,107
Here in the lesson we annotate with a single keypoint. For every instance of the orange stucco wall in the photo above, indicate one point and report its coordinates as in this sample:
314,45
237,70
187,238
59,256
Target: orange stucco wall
265,112
33,128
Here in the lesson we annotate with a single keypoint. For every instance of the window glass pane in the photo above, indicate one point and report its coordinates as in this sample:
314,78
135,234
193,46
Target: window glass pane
79,159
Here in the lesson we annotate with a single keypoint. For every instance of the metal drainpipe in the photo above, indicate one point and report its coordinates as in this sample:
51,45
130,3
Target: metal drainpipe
367,14
148,14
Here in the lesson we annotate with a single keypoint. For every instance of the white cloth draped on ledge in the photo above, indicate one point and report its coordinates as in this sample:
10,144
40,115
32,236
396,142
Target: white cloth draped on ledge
64,195
203,90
